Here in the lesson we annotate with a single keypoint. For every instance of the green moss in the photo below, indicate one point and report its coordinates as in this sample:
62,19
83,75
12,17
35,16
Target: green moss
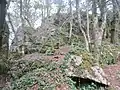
86,65
111,88
78,48
88,61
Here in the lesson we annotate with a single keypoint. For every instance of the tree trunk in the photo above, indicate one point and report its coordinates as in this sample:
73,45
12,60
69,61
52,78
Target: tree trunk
71,15
80,27
4,32
113,23
4,38
102,19
48,7
22,25
95,31
77,8
43,11
117,20
88,31
98,25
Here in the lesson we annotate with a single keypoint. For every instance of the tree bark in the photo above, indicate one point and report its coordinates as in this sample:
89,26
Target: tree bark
71,18
9,18
88,31
4,38
98,25
4,32
95,31
113,23
22,25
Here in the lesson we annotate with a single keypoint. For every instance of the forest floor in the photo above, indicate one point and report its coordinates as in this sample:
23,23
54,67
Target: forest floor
113,75
4,79
112,71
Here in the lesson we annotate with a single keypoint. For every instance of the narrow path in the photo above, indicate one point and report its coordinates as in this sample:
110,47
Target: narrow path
59,54
113,75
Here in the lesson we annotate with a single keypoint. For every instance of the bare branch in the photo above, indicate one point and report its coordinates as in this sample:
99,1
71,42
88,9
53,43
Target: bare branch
8,14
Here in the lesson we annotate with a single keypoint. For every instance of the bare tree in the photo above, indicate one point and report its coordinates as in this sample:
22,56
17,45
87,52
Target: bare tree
22,25
71,18
87,12
80,27
8,14
48,7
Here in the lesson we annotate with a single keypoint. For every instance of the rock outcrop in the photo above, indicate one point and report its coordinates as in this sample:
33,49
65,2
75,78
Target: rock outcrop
94,73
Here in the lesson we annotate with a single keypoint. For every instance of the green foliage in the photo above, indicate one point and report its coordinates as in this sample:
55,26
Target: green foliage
72,84
44,73
21,67
38,76
50,51
49,74
52,43
4,66
108,54
91,86
111,88
48,47
78,48
15,55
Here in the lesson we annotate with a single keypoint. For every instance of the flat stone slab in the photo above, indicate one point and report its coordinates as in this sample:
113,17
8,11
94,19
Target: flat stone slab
95,73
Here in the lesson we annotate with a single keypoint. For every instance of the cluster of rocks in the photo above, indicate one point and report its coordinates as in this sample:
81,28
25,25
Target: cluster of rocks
32,38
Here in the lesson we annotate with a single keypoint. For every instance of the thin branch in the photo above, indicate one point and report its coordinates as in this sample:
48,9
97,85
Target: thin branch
118,4
29,22
8,4
8,14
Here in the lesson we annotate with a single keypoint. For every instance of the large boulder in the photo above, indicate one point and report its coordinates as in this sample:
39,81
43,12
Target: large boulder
77,68
22,36
48,28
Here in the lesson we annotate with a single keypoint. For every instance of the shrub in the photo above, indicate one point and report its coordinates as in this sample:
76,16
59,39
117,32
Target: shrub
108,54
